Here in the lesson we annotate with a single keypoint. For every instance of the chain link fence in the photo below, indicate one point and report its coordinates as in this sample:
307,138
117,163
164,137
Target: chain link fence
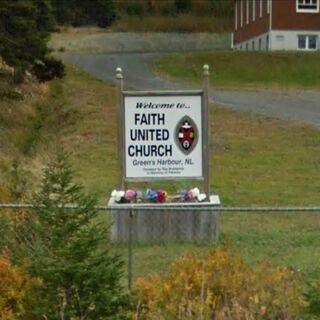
149,237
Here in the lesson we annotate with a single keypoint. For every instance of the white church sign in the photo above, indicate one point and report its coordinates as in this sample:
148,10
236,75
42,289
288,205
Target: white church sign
163,135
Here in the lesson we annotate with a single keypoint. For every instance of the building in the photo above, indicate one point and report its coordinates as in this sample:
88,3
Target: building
277,25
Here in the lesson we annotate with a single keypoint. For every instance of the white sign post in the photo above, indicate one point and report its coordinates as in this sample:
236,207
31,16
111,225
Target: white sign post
163,135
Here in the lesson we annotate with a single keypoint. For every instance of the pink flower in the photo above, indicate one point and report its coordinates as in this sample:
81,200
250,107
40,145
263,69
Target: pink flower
130,194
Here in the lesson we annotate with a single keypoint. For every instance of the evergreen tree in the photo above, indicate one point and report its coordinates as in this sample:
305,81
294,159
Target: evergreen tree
102,12
183,6
81,12
20,41
45,18
81,277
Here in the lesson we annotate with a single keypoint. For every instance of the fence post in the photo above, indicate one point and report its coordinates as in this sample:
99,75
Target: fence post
130,244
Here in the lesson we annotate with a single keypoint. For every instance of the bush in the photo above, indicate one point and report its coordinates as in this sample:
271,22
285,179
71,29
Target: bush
313,297
13,288
48,69
220,286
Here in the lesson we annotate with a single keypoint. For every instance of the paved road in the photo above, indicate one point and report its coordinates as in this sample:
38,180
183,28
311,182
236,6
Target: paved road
303,105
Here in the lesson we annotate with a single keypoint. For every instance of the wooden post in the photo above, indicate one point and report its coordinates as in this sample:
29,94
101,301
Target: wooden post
130,243
120,117
207,130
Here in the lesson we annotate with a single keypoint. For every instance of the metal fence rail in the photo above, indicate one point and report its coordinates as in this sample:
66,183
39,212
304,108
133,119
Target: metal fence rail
176,206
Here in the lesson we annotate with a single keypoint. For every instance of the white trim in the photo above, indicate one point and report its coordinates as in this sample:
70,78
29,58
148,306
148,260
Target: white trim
268,6
236,17
241,13
306,4
260,8
253,10
270,23
247,11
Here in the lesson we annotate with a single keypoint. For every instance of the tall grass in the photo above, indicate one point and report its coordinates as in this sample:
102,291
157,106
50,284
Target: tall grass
180,23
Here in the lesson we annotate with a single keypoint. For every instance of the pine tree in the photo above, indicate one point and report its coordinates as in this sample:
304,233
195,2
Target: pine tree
45,19
25,26
20,41
81,277
82,12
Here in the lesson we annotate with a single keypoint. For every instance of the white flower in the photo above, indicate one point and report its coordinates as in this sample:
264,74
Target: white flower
117,195
201,197
195,192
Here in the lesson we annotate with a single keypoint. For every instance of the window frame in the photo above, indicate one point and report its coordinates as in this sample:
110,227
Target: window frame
303,10
307,39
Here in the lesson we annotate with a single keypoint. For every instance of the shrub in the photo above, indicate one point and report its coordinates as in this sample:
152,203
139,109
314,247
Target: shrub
220,286
13,288
313,297
48,69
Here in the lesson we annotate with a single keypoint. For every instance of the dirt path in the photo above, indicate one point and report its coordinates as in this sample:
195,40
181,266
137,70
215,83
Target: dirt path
301,105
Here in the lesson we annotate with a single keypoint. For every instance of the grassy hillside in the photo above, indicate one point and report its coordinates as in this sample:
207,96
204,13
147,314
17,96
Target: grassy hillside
255,160
246,69
77,113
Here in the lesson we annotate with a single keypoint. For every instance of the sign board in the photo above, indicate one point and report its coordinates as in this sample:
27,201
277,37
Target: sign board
163,135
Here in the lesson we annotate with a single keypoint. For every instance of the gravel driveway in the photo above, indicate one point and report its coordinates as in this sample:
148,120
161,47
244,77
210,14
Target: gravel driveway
101,53
303,105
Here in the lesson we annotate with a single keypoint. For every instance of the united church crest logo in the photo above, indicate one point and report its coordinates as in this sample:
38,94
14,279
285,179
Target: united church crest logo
186,135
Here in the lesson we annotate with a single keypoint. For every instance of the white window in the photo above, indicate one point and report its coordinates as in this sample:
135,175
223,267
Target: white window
236,17
308,42
260,8
247,11
307,5
253,10
268,6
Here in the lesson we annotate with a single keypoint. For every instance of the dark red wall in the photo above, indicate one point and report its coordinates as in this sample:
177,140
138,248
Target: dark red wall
285,17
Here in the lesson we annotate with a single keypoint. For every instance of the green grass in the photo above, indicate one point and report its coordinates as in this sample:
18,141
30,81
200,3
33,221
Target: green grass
290,240
245,69
255,161
258,161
